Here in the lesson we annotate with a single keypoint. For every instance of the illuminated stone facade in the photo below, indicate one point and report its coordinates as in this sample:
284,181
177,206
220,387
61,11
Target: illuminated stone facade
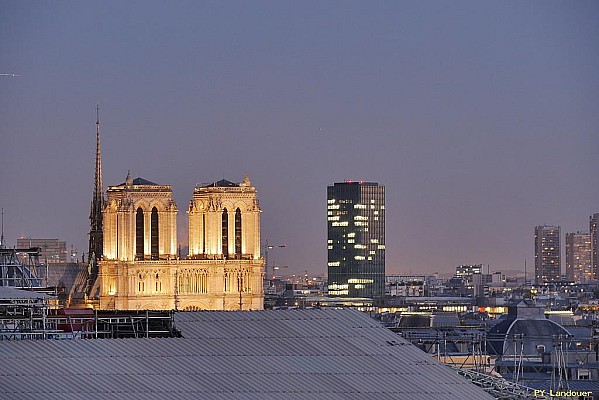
140,222
141,270
224,221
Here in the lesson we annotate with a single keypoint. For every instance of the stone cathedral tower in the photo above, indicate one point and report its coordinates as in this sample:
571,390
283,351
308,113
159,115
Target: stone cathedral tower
140,268
140,221
224,221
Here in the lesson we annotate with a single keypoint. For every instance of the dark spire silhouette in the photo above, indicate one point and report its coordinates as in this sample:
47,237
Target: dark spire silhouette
95,216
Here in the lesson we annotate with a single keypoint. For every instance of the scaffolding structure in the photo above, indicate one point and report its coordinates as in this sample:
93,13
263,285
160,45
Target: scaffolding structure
28,315
472,361
23,314
464,351
510,376
498,387
21,268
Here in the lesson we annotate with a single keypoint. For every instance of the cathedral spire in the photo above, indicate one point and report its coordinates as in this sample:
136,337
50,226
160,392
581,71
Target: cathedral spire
97,205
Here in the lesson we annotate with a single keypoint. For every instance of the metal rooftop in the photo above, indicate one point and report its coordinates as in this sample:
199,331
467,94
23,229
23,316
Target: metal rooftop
13,293
139,181
221,183
142,181
286,354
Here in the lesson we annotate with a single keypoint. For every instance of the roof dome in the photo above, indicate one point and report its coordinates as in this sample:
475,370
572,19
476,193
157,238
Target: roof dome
506,335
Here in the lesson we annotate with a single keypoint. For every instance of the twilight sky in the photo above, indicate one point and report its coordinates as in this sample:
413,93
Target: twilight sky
481,118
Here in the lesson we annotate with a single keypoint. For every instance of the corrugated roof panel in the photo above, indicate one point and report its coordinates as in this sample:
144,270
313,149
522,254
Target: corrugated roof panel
295,354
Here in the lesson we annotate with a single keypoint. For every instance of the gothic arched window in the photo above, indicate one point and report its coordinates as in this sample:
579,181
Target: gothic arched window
158,283
139,234
154,234
238,233
141,284
204,282
225,233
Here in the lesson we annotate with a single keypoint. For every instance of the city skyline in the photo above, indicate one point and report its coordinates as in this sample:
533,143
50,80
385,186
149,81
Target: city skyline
479,119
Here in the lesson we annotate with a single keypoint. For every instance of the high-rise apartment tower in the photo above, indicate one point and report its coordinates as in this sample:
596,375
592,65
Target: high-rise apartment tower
547,254
594,231
356,239
578,257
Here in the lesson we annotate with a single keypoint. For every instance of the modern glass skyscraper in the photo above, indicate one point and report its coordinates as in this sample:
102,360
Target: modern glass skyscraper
356,239
547,254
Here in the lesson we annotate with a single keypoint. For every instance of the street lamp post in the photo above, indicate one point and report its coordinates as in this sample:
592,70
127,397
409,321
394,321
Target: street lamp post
266,248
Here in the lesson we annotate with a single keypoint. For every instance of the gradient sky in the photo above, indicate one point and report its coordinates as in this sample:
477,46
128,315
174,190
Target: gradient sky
481,118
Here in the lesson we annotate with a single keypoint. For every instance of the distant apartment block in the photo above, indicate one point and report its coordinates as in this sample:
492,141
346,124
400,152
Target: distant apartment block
594,231
406,285
547,254
578,257
52,251
467,271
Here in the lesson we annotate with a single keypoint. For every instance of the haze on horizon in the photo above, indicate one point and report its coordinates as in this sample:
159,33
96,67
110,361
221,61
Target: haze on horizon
480,118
